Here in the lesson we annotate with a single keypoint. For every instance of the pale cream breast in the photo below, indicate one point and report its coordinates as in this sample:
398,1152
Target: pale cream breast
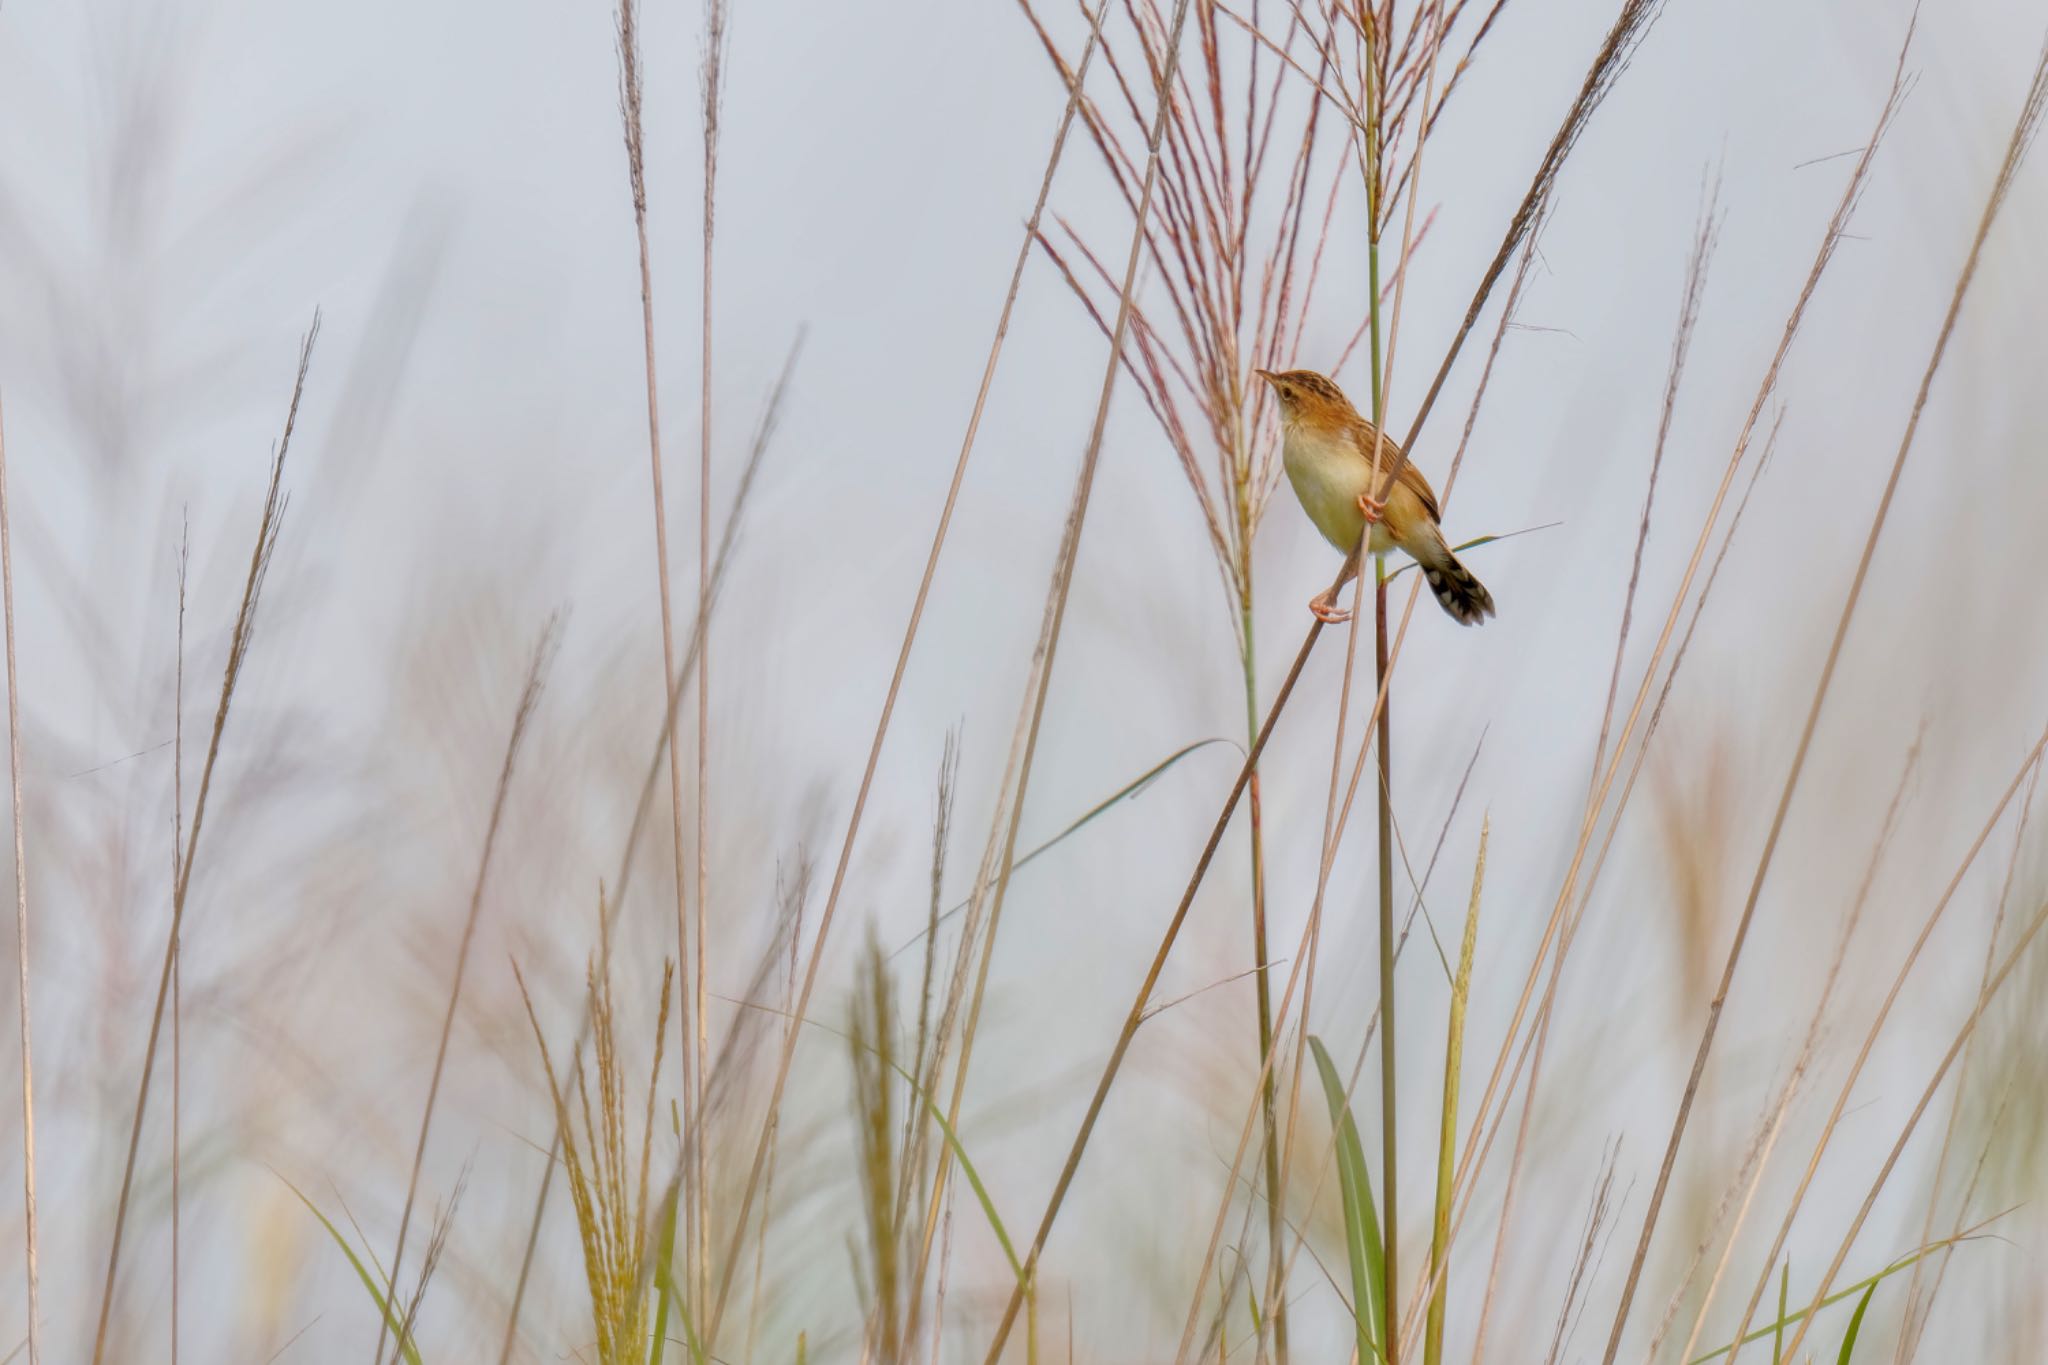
1328,476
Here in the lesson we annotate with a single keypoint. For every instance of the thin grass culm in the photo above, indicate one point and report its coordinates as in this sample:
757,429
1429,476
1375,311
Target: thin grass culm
30,1245
627,25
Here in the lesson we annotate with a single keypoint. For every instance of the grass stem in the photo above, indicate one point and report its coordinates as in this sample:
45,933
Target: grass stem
28,1082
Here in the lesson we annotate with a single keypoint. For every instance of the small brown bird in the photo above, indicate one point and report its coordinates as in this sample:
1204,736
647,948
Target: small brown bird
1327,449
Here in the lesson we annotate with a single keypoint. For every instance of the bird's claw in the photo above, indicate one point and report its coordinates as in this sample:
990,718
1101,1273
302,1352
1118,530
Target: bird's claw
1372,507
1323,606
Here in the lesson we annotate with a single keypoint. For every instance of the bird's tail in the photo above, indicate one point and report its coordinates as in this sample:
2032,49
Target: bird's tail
1461,595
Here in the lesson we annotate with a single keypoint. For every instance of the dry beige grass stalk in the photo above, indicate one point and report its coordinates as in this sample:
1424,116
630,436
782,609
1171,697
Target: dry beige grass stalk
28,1071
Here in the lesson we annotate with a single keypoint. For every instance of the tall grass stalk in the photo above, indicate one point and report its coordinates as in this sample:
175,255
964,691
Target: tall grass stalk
177,953
627,23
30,1244
712,89
1447,1134
267,529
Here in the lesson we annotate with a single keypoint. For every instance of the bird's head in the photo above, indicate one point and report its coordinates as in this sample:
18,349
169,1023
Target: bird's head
1307,396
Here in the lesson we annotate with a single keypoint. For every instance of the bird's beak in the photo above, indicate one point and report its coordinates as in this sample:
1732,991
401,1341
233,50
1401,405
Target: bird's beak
1266,375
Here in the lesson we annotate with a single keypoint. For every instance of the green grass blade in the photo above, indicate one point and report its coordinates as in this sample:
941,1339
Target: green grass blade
1855,1326
663,1282
695,1346
1361,1222
1478,541
1868,1282
1130,789
981,1194
380,1296
1784,1288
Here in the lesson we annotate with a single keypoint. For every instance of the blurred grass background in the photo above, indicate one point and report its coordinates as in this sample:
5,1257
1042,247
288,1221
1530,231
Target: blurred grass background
181,186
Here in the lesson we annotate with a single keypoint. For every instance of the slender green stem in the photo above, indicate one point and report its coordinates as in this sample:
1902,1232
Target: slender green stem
1389,1109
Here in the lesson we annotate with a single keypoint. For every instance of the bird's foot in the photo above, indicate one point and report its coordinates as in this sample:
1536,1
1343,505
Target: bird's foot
1323,606
1372,507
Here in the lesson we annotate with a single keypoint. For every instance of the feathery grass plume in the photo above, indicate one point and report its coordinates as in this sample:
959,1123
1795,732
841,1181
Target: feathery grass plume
871,1048
607,1180
1239,194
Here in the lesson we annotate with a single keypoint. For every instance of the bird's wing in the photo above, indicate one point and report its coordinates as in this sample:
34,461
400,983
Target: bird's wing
1390,454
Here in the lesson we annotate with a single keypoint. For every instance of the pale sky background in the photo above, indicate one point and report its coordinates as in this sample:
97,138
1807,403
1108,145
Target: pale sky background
180,187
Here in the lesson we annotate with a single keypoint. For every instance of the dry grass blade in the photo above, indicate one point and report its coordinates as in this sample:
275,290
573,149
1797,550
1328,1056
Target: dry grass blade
2016,149
28,1071
238,652
529,698
437,1244
1582,1264
1704,239
177,955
